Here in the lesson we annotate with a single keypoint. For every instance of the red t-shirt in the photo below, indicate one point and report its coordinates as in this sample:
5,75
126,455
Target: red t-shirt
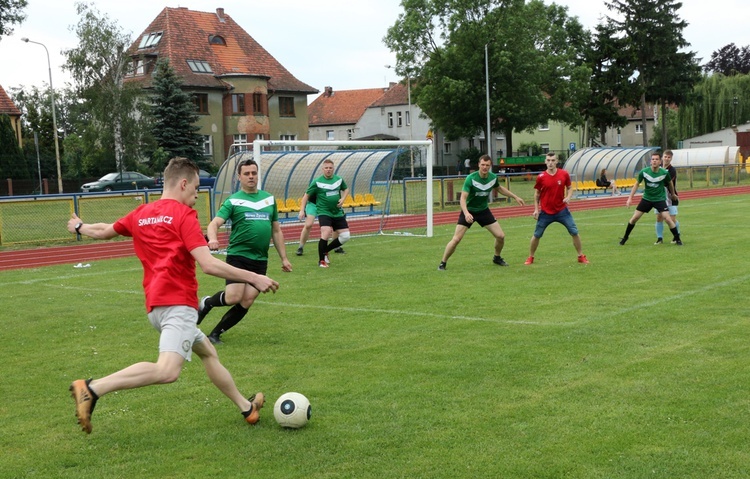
164,232
552,189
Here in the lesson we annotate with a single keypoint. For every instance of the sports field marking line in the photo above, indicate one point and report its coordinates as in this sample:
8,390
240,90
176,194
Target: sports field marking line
87,273
403,313
666,299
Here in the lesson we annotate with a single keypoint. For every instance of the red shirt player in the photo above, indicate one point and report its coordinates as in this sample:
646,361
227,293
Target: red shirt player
552,193
168,240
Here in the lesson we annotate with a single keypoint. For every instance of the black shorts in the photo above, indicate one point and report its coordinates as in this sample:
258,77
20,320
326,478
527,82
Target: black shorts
255,266
646,205
484,218
335,223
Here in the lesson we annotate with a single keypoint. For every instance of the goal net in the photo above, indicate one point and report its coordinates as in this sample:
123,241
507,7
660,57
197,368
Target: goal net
389,181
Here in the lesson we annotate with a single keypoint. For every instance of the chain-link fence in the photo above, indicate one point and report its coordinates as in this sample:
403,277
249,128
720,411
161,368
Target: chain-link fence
43,218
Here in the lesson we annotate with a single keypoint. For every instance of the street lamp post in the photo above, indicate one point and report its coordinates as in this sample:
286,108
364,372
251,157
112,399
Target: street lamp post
54,116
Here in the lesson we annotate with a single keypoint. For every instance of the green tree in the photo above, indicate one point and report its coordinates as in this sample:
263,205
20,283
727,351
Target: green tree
715,102
11,12
12,161
175,116
36,106
535,68
729,60
651,31
111,115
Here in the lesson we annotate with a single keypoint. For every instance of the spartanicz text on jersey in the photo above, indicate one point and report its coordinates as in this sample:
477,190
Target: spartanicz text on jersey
155,220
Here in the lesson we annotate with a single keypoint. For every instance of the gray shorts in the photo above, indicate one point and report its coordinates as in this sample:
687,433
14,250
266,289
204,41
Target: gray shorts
177,325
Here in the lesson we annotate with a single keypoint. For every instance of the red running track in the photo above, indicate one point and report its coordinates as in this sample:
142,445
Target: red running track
83,253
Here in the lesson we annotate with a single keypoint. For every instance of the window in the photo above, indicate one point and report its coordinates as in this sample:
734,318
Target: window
350,133
238,103
482,144
447,148
139,66
286,106
258,103
207,145
199,66
216,40
399,119
288,138
201,103
329,135
544,147
408,118
544,127
639,127
150,40
238,141
390,119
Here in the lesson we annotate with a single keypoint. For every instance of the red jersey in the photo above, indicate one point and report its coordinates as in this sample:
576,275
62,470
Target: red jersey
164,232
552,189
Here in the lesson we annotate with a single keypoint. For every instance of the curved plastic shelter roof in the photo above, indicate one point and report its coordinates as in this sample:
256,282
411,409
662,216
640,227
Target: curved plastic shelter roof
287,174
709,156
587,164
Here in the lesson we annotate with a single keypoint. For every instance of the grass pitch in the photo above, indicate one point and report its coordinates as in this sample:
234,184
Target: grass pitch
633,366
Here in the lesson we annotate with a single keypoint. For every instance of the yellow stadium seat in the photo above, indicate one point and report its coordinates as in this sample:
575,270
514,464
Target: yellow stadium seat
360,200
281,207
370,200
291,204
349,202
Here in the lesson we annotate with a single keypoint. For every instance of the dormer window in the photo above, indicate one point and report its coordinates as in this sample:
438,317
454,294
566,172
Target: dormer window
216,40
150,40
199,66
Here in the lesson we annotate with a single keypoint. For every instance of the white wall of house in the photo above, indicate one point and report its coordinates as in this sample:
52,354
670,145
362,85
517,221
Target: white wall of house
725,137
375,121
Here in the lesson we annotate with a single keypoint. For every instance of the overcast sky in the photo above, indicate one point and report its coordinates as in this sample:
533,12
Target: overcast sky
334,43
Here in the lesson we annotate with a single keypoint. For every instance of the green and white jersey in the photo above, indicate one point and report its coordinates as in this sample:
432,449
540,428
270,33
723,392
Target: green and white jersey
479,190
327,195
252,217
655,184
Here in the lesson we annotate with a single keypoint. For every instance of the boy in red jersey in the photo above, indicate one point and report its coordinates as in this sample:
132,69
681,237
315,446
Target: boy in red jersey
552,193
168,240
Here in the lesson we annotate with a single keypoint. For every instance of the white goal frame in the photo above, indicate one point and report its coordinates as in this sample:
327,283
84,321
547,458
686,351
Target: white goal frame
258,146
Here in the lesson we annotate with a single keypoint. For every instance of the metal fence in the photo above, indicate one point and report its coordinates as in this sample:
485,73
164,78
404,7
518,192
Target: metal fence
39,219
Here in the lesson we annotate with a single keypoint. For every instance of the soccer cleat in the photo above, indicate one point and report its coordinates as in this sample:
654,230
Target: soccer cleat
203,309
85,402
339,250
622,241
323,264
582,259
529,260
674,241
300,251
498,260
215,339
677,242
253,415
441,266
660,241
327,259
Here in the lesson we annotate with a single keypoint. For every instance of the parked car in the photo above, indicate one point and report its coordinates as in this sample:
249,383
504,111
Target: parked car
127,180
205,178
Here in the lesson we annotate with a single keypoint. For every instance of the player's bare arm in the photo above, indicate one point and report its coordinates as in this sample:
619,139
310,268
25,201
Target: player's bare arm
101,231
220,269
462,201
212,231
277,236
506,192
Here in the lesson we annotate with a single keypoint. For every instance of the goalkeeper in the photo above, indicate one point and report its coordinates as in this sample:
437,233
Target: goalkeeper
474,208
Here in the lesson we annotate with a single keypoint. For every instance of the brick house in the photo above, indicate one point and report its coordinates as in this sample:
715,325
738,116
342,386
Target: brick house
242,93
7,107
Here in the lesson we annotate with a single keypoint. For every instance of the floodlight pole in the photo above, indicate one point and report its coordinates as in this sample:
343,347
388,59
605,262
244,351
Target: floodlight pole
54,116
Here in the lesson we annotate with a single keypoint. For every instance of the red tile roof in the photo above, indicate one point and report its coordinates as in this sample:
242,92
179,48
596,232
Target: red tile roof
186,36
341,107
397,94
7,106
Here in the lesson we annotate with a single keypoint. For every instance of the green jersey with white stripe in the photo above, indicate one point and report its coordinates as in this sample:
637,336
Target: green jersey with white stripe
479,190
655,184
327,195
252,217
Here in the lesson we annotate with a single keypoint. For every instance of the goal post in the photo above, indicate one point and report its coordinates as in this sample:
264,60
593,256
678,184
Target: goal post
393,211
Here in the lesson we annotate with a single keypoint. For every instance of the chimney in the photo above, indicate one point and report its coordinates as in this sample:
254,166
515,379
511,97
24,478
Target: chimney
328,91
220,14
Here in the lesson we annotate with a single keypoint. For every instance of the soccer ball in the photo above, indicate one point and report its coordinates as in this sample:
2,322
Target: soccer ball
292,410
